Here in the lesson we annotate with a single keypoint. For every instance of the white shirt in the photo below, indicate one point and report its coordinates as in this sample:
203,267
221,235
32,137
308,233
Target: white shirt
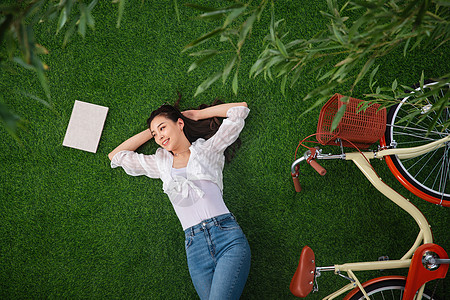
205,164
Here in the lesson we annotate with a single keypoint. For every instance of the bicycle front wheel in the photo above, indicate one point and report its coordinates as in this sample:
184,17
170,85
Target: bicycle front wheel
428,175
391,289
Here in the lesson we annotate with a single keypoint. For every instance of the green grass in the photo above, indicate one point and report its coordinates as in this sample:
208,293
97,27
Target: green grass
72,227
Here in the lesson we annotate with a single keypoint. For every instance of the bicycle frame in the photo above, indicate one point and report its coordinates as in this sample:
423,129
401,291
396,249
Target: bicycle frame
361,159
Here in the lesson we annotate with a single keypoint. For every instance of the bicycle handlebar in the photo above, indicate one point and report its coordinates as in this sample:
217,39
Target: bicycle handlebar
297,185
319,169
294,170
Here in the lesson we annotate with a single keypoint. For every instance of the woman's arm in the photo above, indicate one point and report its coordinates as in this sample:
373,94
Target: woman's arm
212,111
132,143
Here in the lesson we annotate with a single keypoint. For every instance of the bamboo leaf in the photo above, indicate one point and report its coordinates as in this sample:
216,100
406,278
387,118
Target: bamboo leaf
406,46
281,47
43,79
364,70
372,75
345,61
337,34
257,67
69,32
121,10
233,15
92,5
200,61
207,83
203,52
10,121
215,14
203,38
283,85
228,68
235,82
82,21
42,101
246,27
89,17
394,85
177,11
422,79
338,117
21,62
62,20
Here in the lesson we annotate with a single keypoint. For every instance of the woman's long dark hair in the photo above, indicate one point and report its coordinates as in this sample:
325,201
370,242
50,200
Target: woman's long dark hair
194,130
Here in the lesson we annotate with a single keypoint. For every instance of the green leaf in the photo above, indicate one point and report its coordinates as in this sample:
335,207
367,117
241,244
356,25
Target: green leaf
44,82
203,38
257,67
42,101
281,47
272,23
345,61
228,68
337,34
121,10
372,75
89,17
92,5
82,21
246,27
69,32
364,70
200,61
62,20
283,85
394,85
10,121
406,46
338,117
177,11
422,79
215,14
207,83
235,82
233,15
21,62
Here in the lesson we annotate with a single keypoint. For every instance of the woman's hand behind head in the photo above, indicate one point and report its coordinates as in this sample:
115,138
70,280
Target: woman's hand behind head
191,114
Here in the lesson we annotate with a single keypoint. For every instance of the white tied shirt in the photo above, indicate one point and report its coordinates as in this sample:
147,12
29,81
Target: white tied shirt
191,193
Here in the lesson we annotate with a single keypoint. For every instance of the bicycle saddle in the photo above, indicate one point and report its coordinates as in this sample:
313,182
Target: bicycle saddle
303,280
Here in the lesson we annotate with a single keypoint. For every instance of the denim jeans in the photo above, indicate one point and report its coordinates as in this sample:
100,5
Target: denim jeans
218,256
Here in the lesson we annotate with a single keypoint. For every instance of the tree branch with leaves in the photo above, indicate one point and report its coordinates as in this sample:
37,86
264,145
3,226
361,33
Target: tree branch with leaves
346,52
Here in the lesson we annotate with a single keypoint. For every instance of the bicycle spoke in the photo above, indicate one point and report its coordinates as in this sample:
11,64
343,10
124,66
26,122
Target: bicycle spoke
426,175
420,159
444,173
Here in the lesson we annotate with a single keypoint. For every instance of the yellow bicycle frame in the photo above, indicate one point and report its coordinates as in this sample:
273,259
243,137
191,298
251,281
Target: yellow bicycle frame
361,159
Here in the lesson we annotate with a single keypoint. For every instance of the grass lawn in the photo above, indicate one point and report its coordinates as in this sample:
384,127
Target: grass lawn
72,227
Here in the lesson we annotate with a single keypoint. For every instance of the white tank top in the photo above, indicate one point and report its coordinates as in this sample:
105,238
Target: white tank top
195,209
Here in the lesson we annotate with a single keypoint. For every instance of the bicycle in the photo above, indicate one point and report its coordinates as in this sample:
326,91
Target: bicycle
425,260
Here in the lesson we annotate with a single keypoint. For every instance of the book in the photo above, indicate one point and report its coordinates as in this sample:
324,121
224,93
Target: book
85,126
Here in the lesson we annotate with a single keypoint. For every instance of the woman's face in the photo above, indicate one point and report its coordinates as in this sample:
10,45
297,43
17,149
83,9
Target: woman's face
166,132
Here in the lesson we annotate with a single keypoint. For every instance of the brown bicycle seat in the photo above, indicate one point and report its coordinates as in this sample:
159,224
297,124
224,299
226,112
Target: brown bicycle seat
303,280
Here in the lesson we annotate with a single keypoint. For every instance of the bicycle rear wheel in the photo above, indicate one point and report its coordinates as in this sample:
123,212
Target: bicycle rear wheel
391,289
428,175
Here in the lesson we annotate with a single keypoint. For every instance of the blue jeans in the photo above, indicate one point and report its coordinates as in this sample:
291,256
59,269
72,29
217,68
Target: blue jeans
218,256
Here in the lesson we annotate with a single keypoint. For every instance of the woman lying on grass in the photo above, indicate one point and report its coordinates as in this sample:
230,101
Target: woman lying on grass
190,163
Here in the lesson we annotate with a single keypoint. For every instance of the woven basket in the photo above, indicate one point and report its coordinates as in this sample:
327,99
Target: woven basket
361,128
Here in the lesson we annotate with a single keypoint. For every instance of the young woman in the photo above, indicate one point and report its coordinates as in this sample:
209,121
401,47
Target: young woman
190,163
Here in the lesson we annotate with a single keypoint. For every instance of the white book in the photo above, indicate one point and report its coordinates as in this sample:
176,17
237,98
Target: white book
85,126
